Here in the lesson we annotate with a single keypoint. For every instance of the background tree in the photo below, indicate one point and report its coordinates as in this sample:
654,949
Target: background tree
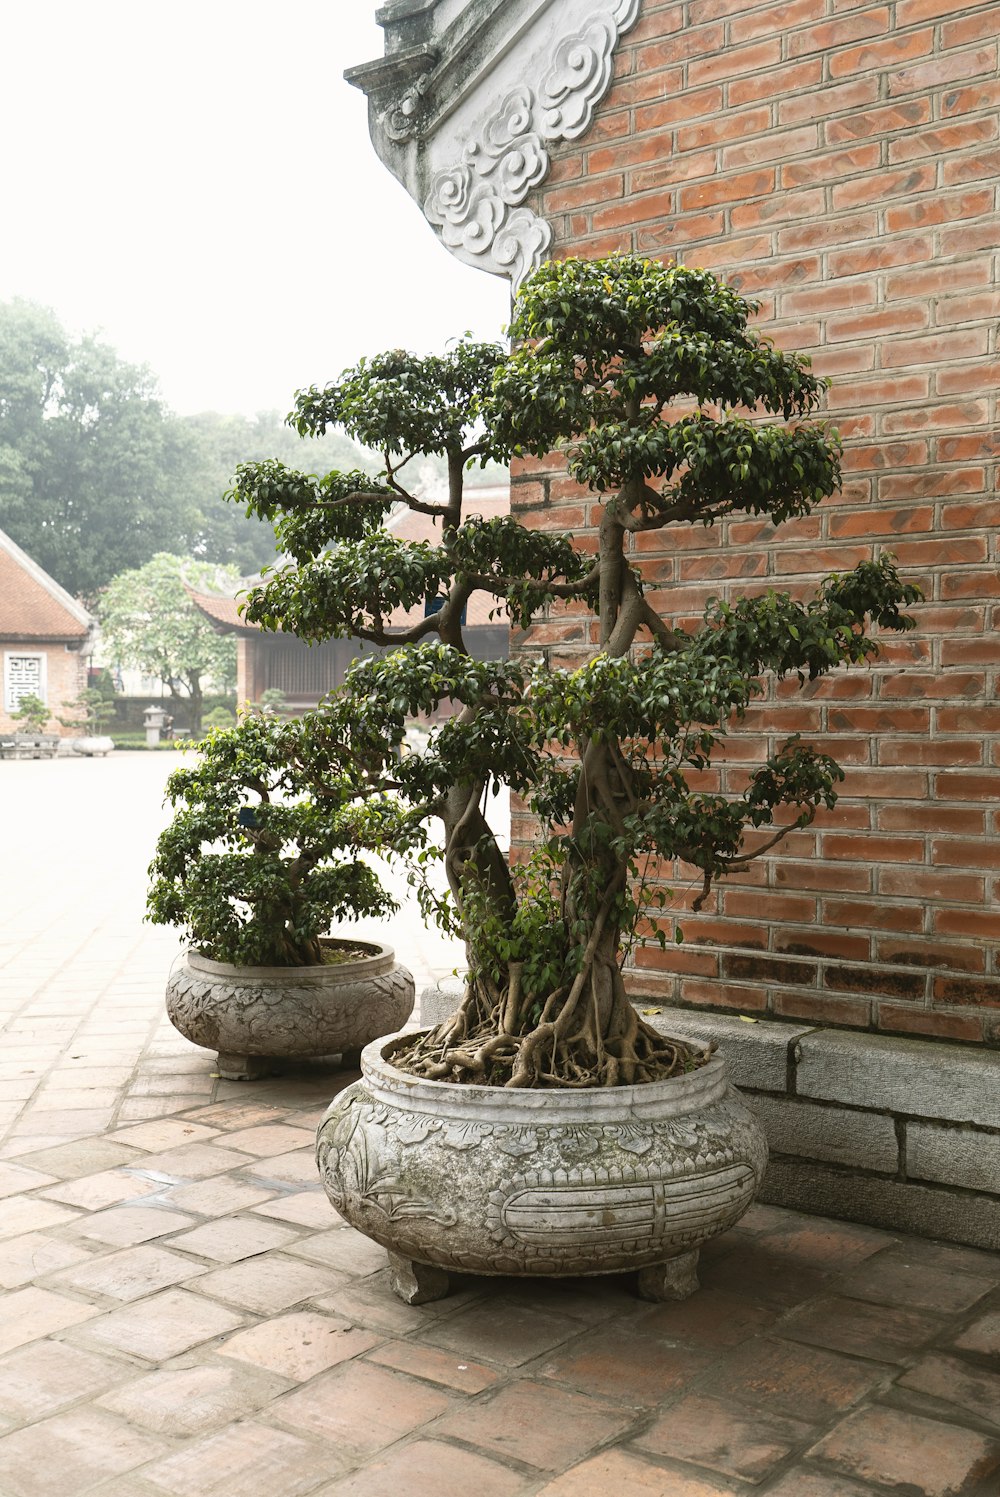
608,755
149,622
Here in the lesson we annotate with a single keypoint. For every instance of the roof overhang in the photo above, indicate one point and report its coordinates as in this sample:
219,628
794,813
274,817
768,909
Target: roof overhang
467,101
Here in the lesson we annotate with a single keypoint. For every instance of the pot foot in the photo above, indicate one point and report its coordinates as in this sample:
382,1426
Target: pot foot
416,1283
244,1067
350,1060
672,1280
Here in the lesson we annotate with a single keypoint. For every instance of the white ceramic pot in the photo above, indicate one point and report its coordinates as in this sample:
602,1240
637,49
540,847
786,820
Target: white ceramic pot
488,1180
254,1016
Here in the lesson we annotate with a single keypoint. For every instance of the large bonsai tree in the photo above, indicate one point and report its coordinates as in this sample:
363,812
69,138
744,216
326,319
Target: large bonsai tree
639,374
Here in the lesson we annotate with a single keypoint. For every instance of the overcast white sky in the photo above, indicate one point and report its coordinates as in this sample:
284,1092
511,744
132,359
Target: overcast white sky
196,182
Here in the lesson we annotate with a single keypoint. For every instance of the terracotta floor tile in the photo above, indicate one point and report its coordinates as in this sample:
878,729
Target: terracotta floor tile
230,1239
295,1168
162,1327
804,1382
194,1161
70,1452
882,1332
29,1314
108,1188
42,1379
191,1401
360,1408
31,1214
33,1256
427,1468
710,1318
344,1249
371,1302
168,1133
232,1116
246,1460
268,1139
543,1426
616,1473
18,1178
620,1363
216,1197
268,1284
509,1339
812,1483
759,1274
898,1277
435,1366
725,1437
983,1335
299,1345
127,1226
129,1274
976,1390
307,1208
896,1448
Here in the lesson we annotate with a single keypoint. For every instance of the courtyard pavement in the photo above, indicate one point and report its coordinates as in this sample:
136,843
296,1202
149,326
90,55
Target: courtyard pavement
184,1315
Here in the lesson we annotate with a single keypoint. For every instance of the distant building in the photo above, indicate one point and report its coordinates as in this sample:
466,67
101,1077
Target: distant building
44,634
305,673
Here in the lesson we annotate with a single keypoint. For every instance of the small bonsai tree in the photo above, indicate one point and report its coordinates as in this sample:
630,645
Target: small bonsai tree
32,715
638,373
92,712
254,867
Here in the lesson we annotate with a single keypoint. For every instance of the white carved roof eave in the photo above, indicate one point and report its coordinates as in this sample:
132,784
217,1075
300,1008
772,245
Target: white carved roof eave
468,100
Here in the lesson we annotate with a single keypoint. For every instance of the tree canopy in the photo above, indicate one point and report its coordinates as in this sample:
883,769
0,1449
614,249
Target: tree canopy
148,621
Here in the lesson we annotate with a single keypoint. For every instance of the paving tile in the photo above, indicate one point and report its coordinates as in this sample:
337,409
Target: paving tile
246,1460
162,1327
194,1161
126,1226
760,1274
295,1168
884,1333
129,1274
897,1277
47,1376
34,1255
724,1436
83,1446
85,1156
167,1133
621,1363
192,1401
31,1214
618,1472
976,1390
434,1366
344,1249
31,1313
359,1408
216,1197
299,1345
371,1302
108,1188
894,1448
18,1178
231,1116
710,1318
60,1100
509,1339
543,1426
805,1382
230,1239
427,1468
268,1284
983,1335
803,1483
269,1139
307,1208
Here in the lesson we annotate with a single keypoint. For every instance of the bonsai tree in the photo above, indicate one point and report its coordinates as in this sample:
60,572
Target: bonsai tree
254,867
92,712
31,715
671,411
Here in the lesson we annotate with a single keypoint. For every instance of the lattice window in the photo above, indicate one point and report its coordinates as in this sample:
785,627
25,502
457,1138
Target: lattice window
24,676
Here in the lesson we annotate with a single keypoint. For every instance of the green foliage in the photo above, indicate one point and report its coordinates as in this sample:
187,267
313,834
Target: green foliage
32,715
148,621
92,711
261,855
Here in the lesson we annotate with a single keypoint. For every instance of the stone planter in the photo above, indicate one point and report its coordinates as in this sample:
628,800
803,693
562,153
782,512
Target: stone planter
256,1016
92,745
480,1179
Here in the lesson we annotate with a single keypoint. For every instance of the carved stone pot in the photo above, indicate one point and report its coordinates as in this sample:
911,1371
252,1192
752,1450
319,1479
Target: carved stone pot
256,1016
487,1180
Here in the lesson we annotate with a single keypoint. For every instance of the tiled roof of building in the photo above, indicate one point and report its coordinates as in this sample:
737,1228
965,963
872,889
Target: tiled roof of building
223,612
32,604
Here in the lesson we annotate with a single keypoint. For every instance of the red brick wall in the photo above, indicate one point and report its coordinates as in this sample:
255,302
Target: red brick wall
66,677
839,160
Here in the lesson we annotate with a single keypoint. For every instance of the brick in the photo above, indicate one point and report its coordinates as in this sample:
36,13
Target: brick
733,62
944,208
828,101
946,68
899,1448
824,36
884,53
727,190
929,953
896,1018
806,73
943,139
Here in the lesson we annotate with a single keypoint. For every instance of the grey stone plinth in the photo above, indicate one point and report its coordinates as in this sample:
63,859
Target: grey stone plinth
919,1078
439,1002
838,1135
756,1051
954,1156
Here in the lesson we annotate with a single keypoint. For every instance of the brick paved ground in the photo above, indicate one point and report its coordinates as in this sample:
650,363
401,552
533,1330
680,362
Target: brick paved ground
185,1316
